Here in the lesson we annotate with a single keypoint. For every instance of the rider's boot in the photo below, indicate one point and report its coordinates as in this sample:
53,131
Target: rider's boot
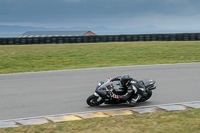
134,100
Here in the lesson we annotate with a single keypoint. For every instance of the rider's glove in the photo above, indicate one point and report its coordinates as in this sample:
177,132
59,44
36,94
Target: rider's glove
115,96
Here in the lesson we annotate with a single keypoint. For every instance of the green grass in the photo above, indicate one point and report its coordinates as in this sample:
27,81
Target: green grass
160,122
28,58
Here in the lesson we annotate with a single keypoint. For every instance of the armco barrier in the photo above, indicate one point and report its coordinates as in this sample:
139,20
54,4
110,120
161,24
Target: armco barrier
101,38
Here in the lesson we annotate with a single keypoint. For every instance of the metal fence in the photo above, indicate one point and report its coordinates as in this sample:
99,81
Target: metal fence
101,38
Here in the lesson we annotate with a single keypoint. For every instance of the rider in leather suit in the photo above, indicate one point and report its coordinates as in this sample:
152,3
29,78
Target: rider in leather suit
131,86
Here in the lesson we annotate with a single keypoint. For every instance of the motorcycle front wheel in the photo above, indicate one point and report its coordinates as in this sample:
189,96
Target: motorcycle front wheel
93,100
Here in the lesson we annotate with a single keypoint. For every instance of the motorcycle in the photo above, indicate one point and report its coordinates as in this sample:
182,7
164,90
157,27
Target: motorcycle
105,90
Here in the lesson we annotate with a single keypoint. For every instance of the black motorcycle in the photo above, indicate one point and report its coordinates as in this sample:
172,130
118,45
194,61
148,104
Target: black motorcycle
105,90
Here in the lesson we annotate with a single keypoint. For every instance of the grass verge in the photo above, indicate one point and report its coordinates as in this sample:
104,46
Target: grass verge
29,58
160,122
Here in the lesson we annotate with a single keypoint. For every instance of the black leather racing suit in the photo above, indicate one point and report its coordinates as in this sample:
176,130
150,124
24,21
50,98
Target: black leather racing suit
132,86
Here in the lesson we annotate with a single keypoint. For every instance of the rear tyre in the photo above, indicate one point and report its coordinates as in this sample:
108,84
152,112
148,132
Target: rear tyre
93,101
147,97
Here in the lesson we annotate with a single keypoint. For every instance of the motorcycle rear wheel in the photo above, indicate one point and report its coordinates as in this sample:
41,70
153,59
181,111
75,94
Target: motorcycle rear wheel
147,97
92,100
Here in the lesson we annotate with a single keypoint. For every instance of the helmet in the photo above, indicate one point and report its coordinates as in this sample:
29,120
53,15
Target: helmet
124,80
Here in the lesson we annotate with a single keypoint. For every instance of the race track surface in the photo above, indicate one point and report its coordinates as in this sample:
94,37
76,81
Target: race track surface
58,92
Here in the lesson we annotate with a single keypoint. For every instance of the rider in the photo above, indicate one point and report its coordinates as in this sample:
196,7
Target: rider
131,86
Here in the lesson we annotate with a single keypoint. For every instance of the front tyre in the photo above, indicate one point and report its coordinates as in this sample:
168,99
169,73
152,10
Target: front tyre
93,100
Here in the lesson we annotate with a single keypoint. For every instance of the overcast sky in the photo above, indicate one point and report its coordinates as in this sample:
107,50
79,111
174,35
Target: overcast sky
170,14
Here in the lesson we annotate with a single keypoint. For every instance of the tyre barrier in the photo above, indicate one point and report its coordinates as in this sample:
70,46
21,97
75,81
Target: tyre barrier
101,38
101,114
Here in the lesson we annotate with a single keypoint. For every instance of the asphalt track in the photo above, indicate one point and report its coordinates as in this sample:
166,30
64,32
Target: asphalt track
65,91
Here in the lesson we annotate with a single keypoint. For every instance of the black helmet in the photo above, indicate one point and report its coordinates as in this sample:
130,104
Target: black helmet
124,80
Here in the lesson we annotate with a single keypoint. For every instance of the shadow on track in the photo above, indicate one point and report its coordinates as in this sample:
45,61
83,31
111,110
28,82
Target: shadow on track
118,106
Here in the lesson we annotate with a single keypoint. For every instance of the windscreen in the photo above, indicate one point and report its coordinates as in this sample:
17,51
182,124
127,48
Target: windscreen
106,85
